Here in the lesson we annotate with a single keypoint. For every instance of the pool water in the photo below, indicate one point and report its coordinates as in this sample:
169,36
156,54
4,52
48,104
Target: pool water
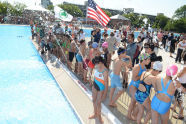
28,92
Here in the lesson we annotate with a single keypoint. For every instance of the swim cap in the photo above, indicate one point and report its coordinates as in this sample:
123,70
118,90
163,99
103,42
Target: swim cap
105,45
143,56
94,45
121,51
158,66
171,70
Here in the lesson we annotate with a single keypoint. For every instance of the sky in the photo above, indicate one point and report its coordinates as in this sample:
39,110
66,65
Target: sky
151,7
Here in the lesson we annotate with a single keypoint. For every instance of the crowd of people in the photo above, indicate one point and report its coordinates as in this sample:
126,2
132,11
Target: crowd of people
93,62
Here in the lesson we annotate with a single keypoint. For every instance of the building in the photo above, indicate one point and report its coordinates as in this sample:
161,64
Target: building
45,3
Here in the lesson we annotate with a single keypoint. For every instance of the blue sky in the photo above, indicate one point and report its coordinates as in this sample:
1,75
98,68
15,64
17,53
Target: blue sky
141,6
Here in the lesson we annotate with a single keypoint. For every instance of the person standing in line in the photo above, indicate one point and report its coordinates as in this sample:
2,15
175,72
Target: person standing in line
181,77
143,92
165,89
140,45
134,84
131,47
100,87
121,62
97,36
81,35
112,41
164,39
172,44
181,47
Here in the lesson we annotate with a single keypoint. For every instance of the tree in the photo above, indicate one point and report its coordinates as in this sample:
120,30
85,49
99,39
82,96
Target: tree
136,20
160,21
107,12
50,7
4,8
180,12
72,9
17,9
7,8
178,25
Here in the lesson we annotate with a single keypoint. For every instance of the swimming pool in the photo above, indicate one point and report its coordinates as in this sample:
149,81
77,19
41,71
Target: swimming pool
28,92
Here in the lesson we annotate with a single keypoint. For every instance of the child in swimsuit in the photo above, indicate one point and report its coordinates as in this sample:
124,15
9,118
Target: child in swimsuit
136,75
93,53
80,57
72,53
87,60
100,87
161,102
106,55
143,92
115,76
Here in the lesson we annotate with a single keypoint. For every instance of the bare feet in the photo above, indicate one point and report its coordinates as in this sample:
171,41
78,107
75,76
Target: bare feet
100,119
131,118
93,116
112,105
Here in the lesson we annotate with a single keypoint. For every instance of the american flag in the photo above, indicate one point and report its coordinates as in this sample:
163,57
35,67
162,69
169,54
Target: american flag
96,13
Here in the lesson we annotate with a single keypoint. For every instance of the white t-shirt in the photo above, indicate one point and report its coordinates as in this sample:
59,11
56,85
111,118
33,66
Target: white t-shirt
81,36
182,79
181,45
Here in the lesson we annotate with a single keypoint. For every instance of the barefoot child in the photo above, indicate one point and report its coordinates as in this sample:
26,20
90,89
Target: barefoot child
87,60
106,55
115,76
100,87
136,75
165,89
143,92
72,53
80,56
93,53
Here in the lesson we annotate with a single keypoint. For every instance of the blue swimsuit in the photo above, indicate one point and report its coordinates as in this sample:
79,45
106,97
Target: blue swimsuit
136,83
141,96
160,106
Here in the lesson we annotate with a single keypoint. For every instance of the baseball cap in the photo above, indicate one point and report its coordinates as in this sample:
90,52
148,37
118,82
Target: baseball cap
94,45
158,66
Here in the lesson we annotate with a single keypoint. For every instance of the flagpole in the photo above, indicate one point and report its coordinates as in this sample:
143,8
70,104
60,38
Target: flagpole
86,10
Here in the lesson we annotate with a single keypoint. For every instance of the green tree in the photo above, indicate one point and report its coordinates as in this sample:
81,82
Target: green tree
72,9
180,25
136,20
7,8
107,12
4,8
50,7
160,21
17,9
180,12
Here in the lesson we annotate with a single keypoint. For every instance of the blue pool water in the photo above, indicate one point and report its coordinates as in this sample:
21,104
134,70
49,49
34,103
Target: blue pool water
28,92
